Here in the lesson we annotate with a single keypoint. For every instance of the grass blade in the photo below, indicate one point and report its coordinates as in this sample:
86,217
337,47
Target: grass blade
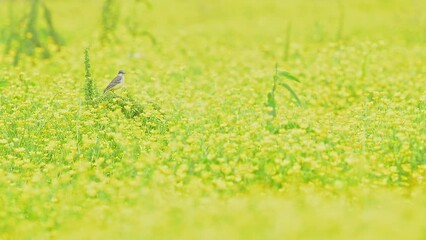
271,103
293,94
288,76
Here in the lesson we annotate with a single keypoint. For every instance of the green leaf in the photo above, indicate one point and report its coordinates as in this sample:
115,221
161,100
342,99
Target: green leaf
288,76
271,103
271,100
293,94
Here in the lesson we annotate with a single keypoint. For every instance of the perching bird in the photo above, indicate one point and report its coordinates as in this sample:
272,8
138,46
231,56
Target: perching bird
116,83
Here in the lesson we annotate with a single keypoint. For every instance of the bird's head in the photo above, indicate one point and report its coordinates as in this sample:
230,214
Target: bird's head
121,72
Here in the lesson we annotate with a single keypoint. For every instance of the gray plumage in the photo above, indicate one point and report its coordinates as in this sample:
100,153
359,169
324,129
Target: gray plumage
117,82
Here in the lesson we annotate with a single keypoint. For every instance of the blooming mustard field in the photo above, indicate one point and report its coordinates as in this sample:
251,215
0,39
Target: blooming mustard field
196,145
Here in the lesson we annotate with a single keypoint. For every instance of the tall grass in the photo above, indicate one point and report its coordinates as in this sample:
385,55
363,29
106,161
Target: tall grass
89,89
271,102
110,19
57,39
11,33
32,40
135,26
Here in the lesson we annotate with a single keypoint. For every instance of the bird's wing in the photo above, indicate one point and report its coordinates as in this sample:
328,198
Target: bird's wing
114,82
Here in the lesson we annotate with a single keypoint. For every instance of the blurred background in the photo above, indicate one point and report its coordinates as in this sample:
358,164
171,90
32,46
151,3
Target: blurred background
310,20
349,162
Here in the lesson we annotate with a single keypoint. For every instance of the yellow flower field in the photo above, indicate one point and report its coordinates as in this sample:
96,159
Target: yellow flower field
193,146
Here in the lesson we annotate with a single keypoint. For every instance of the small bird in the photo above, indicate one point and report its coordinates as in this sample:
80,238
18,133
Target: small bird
116,83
